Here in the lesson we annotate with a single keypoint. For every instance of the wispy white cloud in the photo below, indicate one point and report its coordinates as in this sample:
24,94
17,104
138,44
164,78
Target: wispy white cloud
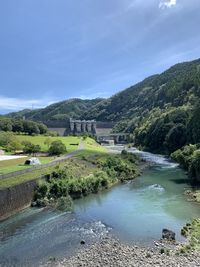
167,3
13,104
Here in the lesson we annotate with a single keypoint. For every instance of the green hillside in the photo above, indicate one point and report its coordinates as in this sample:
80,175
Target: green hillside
162,111
62,111
175,87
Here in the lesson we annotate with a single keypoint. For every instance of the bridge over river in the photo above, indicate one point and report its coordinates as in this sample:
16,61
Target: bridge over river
113,138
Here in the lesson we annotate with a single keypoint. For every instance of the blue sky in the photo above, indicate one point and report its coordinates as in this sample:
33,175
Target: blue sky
52,50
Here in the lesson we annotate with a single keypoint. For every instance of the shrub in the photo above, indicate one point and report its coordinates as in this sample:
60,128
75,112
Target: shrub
64,203
13,145
42,190
5,124
6,138
66,182
189,158
30,148
57,148
31,127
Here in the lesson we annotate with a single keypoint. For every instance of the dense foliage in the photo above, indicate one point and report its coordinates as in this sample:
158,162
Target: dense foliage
76,180
57,148
175,87
60,111
22,126
9,142
29,148
162,111
189,159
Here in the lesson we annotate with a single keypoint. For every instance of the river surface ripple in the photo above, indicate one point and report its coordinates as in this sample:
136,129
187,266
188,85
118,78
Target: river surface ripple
135,212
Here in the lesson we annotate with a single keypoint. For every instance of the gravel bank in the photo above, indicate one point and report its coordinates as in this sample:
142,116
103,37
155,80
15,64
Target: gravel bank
112,253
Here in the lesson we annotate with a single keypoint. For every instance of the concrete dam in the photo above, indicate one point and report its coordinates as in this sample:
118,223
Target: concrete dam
101,130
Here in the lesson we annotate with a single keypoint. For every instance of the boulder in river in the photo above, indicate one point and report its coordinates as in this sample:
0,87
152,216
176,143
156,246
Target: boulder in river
168,235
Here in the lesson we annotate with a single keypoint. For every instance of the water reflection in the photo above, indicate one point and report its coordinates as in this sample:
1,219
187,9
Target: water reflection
136,212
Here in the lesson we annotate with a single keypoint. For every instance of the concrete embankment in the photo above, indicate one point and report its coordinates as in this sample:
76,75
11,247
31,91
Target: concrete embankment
19,197
16,198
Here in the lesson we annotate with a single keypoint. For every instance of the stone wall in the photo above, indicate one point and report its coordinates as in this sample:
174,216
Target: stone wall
16,198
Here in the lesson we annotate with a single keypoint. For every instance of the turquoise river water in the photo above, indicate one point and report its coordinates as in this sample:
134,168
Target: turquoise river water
135,212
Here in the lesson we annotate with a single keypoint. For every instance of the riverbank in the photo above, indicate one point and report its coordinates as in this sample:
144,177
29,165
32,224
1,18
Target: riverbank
85,176
135,212
111,252
193,195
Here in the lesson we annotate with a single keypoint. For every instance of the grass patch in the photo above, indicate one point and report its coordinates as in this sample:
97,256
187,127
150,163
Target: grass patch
18,179
71,142
192,232
90,148
7,166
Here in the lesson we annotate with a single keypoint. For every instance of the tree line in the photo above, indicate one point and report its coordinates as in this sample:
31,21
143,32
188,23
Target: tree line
10,143
22,126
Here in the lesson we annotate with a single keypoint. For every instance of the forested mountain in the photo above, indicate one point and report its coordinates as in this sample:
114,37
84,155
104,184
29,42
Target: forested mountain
73,108
162,111
175,87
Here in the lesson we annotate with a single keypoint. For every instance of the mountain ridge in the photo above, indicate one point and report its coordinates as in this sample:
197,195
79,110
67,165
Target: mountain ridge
162,108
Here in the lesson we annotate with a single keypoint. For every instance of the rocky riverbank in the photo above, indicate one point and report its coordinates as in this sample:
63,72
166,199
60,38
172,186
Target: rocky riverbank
193,195
112,253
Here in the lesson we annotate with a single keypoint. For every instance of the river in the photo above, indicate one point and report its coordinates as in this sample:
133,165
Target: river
135,212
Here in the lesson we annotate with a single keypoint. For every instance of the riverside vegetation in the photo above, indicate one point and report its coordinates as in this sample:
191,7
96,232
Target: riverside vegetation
189,159
82,176
71,144
161,112
192,232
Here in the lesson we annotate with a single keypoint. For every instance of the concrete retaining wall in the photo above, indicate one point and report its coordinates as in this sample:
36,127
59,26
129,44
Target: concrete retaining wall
16,198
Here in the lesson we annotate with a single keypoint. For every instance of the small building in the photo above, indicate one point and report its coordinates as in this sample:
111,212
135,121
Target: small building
32,161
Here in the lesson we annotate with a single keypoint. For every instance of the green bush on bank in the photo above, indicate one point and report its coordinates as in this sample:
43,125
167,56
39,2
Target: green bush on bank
192,232
73,187
67,182
123,167
189,159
